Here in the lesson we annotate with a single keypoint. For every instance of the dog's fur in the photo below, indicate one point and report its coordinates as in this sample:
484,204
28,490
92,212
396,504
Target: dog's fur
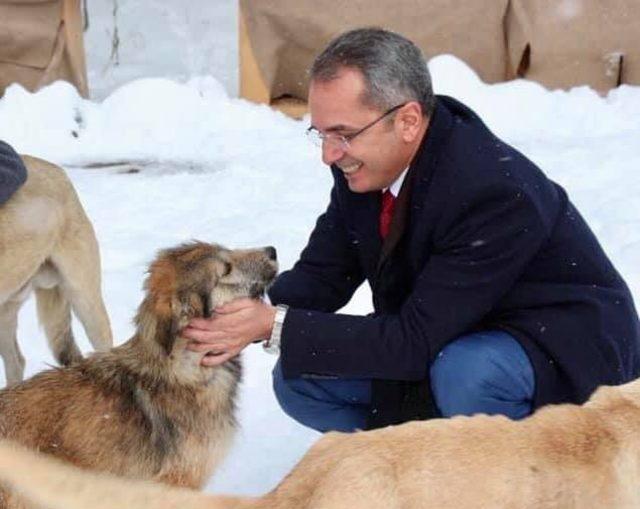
47,244
148,408
562,457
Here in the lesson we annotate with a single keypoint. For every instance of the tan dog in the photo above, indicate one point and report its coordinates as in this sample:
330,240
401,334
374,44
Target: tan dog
147,409
562,457
47,244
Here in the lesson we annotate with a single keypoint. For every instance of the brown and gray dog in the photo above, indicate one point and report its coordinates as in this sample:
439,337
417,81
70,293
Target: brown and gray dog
146,409
562,457
47,245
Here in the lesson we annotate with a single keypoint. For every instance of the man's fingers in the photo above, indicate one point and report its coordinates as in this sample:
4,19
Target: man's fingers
216,360
203,336
236,305
200,323
195,346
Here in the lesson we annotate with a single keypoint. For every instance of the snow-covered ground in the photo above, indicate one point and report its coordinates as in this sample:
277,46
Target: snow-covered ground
220,169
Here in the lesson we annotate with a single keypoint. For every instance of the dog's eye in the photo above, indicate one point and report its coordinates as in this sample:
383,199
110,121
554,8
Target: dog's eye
226,268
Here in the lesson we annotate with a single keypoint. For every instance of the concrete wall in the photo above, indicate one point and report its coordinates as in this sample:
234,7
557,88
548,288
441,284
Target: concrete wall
129,39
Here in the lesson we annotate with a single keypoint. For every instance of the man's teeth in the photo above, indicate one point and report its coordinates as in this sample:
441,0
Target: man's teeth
352,168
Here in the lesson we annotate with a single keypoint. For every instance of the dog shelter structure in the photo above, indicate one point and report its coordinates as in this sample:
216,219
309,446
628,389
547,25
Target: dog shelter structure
558,43
41,41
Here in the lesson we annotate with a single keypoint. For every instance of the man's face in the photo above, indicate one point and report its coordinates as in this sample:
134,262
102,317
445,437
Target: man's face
375,158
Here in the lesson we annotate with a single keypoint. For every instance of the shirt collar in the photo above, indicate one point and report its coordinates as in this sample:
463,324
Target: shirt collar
397,183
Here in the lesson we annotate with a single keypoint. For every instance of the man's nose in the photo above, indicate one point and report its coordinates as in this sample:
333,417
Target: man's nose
331,153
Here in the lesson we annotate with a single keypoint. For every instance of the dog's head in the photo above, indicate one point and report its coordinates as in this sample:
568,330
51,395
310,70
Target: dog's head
192,279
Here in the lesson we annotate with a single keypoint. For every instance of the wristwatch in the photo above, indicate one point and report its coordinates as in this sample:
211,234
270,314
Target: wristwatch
272,345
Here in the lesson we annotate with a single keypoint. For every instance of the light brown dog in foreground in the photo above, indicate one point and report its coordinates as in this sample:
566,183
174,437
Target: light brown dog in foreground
47,244
146,409
565,456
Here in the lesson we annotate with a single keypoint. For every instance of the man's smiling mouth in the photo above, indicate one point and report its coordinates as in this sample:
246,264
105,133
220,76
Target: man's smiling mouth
351,168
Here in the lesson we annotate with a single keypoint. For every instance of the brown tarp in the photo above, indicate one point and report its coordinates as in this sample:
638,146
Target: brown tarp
285,35
567,43
40,42
559,43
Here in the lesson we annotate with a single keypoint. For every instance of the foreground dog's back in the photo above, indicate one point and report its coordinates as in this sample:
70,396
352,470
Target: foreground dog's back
146,409
47,244
563,457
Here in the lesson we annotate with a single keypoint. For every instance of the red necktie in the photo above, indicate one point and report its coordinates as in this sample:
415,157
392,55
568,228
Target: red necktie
386,212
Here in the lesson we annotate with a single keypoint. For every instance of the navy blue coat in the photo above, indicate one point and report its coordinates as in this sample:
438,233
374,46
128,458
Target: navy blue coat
482,240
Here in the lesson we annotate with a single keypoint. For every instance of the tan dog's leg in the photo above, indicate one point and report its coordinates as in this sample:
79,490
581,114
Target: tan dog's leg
52,484
77,260
54,313
9,350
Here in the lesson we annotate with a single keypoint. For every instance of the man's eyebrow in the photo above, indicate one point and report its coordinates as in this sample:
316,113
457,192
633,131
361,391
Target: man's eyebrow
336,128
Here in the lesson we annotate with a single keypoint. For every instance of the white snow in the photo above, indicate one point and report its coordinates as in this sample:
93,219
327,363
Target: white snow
221,169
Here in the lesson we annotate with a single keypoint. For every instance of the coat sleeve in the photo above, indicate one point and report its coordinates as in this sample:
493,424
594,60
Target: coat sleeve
328,271
12,172
481,250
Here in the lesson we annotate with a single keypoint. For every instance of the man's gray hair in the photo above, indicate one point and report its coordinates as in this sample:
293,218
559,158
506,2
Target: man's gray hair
394,69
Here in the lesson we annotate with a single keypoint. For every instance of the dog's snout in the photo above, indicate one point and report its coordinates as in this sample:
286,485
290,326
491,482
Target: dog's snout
271,252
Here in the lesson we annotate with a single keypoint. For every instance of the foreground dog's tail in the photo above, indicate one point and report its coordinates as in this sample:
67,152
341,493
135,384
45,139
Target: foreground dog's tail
52,484
54,313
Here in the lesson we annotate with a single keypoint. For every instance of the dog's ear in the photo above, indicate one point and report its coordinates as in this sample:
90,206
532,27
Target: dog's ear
205,297
167,331
158,318
196,302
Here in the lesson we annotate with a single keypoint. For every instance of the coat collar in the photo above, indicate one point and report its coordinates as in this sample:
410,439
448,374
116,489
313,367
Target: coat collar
415,186
426,160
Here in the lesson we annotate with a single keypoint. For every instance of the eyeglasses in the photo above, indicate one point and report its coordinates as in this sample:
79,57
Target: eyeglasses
342,141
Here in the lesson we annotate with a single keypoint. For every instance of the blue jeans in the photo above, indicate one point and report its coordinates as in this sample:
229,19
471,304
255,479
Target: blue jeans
486,372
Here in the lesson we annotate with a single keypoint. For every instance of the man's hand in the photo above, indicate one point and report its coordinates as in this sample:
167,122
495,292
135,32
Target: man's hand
232,327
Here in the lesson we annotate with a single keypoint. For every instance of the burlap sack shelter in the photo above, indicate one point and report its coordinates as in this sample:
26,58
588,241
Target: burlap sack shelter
559,43
567,43
40,42
280,38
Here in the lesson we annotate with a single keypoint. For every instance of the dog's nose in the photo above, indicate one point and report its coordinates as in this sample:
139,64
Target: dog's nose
271,252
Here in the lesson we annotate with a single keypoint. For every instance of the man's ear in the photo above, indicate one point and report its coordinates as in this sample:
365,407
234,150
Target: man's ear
410,121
